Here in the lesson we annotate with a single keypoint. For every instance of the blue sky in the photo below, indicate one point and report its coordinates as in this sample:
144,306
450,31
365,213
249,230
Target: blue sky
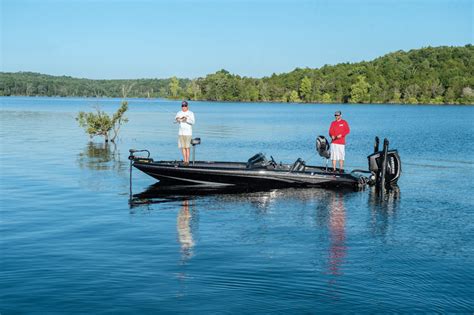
125,39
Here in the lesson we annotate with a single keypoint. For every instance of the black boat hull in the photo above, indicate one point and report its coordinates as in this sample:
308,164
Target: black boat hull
235,174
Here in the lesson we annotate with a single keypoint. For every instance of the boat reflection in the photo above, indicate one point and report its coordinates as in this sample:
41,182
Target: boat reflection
159,193
327,210
159,190
383,209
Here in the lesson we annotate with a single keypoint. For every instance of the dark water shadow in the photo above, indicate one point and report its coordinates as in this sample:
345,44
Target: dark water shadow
101,157
383,209
162,193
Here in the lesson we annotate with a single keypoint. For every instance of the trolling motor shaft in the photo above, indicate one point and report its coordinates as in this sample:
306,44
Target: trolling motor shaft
133,158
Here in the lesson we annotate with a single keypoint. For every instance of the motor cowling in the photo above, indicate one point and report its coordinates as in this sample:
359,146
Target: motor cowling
394,165
323,146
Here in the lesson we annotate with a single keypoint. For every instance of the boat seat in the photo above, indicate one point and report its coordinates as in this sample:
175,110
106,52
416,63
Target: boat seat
257,161
298,166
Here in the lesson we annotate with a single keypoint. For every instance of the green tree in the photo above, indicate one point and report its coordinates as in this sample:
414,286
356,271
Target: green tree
326,98
449,96
396,98
293,97
263,93
193,90
437,100
468,95
305,89
411,94
360,90
174,87
101,124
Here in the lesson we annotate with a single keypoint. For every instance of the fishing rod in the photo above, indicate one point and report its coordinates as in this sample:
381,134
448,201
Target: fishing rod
169,112
161,108
166,110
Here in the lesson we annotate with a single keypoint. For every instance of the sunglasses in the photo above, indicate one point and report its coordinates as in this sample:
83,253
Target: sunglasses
337,115
184,105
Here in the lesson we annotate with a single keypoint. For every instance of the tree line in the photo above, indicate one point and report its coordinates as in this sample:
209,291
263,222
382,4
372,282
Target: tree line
431,75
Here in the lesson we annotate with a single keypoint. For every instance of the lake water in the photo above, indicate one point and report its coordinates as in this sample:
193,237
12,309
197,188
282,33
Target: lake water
70,242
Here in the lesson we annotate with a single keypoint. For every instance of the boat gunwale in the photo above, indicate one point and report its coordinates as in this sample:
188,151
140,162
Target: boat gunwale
310,171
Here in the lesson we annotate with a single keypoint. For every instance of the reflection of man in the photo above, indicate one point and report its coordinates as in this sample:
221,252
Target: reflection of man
184,230
337,223
185,118
338,131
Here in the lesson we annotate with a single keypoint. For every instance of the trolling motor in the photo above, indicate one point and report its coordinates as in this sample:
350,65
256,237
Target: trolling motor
195,142
386,165
132,157
322,147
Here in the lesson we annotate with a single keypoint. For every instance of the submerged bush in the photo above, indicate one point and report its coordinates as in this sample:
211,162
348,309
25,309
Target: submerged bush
101,124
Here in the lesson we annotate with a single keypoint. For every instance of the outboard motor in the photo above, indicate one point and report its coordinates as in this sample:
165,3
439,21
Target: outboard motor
386,165
322,146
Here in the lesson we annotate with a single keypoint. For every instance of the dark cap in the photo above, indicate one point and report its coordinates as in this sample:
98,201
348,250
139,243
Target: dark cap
337,113
184,103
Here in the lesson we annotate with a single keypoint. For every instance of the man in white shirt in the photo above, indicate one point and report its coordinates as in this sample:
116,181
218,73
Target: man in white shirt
185,118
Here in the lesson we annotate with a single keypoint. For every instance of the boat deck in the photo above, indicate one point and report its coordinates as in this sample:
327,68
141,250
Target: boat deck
243,166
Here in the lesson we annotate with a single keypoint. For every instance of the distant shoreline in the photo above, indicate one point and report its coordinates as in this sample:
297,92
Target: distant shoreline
431,75
237,102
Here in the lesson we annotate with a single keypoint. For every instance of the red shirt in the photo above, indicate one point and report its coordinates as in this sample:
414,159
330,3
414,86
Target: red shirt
340,127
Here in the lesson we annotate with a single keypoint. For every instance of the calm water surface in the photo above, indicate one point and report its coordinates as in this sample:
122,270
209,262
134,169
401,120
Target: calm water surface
70,242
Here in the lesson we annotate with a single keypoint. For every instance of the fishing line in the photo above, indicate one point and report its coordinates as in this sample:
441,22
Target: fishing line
168,111
160,107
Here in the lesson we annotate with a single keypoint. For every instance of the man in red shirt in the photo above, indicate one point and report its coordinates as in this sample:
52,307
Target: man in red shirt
338,131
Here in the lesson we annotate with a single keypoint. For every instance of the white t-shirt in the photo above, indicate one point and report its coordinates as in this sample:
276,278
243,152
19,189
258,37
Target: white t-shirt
186,127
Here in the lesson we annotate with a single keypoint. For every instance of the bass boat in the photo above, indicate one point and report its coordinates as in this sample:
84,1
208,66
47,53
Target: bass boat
259,172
